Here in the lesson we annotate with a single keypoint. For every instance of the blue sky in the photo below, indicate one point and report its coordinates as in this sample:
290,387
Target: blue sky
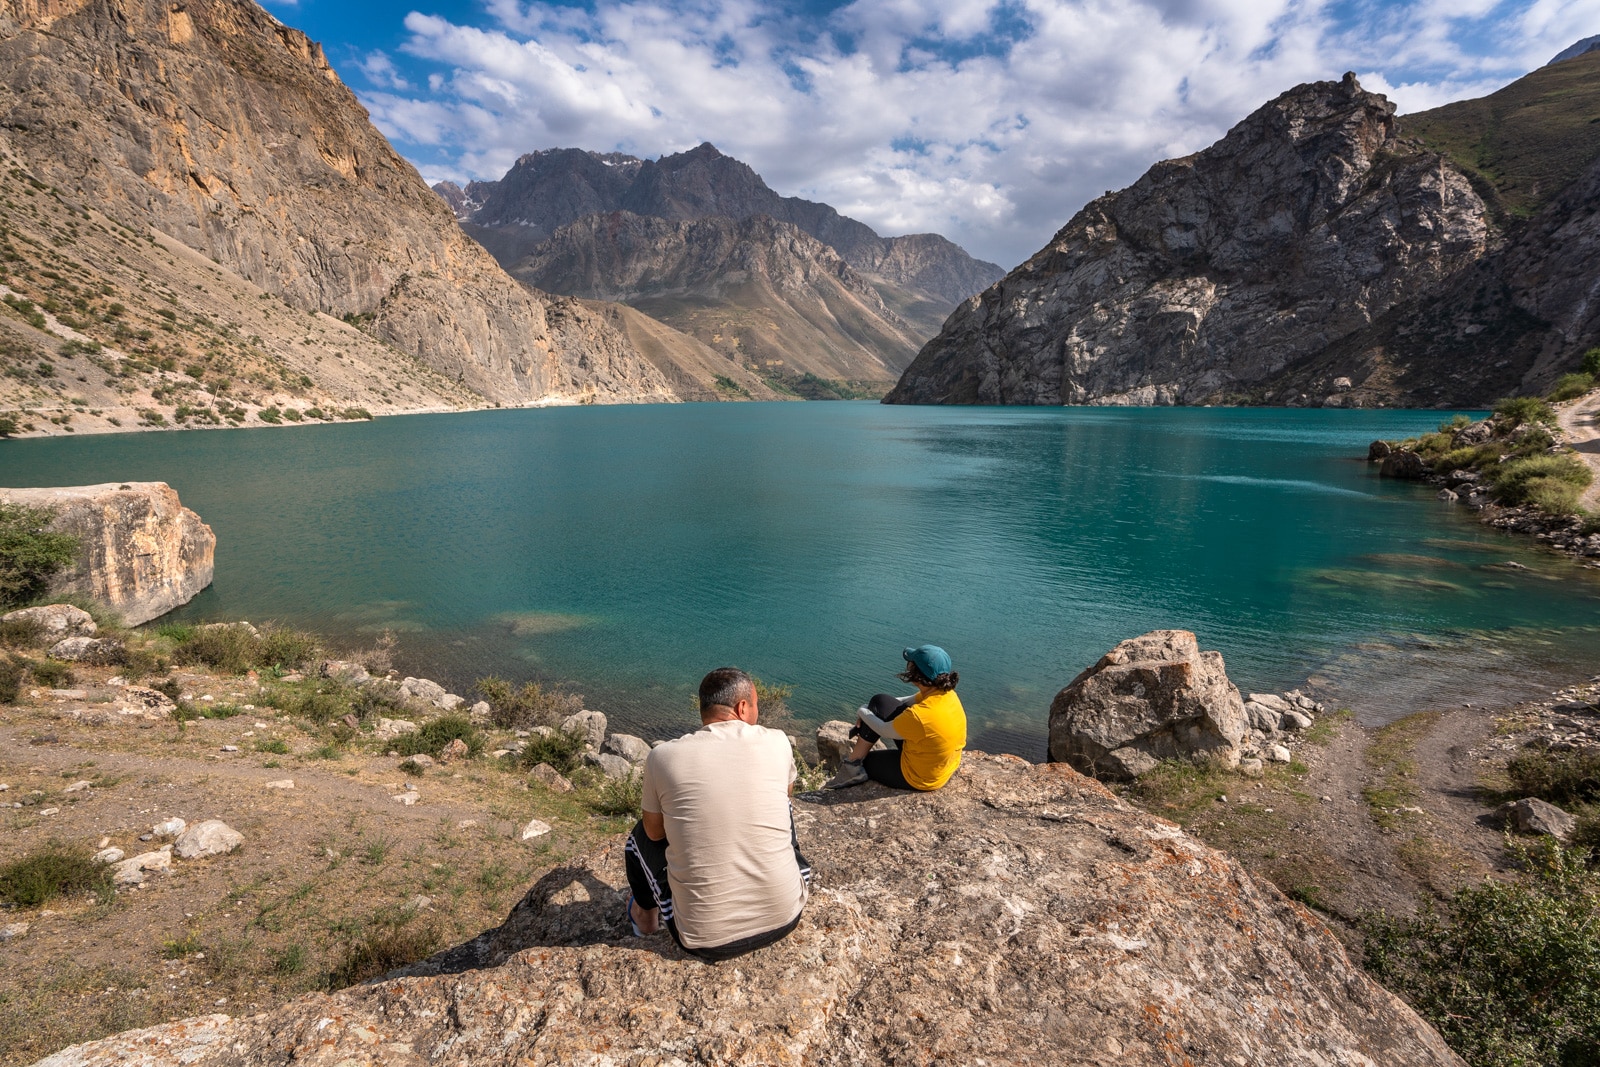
990,121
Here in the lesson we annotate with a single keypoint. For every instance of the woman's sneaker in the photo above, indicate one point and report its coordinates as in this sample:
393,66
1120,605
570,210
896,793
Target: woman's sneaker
851,772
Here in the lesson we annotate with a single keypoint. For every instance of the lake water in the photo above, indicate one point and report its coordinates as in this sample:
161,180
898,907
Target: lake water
626,550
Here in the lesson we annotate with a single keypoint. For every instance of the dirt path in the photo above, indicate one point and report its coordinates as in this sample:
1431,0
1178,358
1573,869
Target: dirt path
1581,421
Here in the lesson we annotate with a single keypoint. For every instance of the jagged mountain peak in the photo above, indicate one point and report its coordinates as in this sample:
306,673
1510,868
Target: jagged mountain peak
1588,44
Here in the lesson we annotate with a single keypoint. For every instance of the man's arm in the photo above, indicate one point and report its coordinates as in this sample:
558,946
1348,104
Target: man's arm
655,827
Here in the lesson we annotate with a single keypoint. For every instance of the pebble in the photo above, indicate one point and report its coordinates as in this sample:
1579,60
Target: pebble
169,827
408,799
77,787
535,828
230,748
147,837
51,811
282,783
1278,754
109,855
4,787
104,841
12,930
467,824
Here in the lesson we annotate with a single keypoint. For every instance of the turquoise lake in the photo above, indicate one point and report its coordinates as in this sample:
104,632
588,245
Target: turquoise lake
627,550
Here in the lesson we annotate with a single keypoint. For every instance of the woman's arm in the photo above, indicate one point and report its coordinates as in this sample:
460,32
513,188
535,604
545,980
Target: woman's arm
881,727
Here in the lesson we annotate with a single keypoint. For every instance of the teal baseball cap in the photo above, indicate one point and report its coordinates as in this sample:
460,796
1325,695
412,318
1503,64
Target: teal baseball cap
931,660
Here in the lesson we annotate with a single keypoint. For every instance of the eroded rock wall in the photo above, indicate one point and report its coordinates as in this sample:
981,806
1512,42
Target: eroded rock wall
1214,274
1021,915
141,552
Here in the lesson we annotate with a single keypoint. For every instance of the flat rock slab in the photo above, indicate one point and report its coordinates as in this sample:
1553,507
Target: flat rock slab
1022,914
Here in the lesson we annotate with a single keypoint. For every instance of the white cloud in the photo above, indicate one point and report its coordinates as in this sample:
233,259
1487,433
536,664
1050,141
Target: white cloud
990,121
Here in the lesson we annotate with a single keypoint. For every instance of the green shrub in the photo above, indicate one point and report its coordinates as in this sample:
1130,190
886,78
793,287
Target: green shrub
52,674
532,705
8,426
1541,480
282,647
277,746
30,555
1571,386
563,751
355,413
1591,362
1559,777
1514,411
1509,973
321,705
226,648
56,870
21,633
12,671
434,736
620,796
391,939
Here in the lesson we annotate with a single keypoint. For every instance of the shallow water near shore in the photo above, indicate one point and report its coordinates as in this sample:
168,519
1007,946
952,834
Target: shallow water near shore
626,550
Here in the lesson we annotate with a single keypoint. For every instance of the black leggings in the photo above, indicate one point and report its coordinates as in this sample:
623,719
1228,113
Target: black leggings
646,861
883,767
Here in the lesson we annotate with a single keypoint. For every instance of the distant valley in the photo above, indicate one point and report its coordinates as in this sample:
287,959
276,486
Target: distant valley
787,288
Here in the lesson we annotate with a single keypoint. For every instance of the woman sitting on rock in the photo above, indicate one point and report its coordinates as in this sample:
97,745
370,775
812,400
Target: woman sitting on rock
930,728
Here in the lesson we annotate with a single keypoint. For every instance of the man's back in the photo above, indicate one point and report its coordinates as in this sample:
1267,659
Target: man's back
723,793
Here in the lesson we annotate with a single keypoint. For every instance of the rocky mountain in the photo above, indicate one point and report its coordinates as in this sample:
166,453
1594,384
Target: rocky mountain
1583,47
1022,914
546,190
761,292
1322,253
1215,274
209,122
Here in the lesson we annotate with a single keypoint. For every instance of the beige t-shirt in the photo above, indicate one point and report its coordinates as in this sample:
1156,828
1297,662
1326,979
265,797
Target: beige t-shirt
723,792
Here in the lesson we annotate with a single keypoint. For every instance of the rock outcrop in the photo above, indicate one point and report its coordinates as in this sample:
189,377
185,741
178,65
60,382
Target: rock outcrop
212,122
1022,914
141,552
760,291
1151,698
1214,275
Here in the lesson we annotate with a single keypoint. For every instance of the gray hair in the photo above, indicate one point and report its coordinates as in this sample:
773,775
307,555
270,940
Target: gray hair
725,687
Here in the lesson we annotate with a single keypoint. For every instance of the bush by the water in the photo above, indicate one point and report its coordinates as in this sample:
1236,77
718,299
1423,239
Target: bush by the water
56,870
30,555
563,751
1508,972
1551,483
1559,777
234,649
511,708
434,736
1571,386
1514,411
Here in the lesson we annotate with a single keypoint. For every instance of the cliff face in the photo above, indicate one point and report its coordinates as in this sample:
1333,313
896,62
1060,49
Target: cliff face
210,121
1022,914
1215,274
763,292
546,190
142,553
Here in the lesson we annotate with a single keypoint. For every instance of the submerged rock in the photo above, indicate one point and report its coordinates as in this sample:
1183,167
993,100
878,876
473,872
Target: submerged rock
1152,698
1022,914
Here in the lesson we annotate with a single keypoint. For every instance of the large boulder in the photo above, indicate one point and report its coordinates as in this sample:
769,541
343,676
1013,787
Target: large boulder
141,552
1020,915
1152,698
1404,465
1531,815
95,651
55,620
590,725
631,748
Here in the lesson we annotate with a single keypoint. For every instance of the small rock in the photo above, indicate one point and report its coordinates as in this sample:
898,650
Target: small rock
352,722
419,902
631,748
169,827
91,650
456,749
282,783
450,702
77,786
389,729
422,761
132,871
833,743
408,799
104,841
1449,496
590,724
142,837
55,619
109,855
1296,720
1534,816
550,778
424,690
1268,720
609,765
1251,768
11,931
467,824
344,671
535,828
1278,754
499,752
50,811
479,713
230,748
1270,700
210,838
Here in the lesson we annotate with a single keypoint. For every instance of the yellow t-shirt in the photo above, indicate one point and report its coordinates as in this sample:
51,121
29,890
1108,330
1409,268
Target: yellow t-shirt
933,732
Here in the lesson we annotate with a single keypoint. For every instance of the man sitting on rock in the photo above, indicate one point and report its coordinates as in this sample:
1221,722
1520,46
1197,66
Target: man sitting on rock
715,856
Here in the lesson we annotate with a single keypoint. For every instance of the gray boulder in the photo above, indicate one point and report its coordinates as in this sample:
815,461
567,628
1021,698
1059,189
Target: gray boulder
95,651
1268,720
424,690
1404,465
213,837
344,671
550,778
55,620
833,742
633,749
1534,816
609,765
1152,698
131,871
590,724
1296,720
